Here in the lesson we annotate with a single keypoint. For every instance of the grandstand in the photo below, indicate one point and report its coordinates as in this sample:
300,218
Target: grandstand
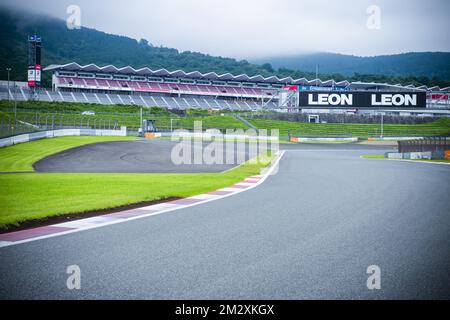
179,90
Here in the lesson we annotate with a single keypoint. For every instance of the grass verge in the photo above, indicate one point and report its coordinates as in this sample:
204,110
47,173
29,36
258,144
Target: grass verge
30,196
326,142
20,158
438,128
374,156
379,156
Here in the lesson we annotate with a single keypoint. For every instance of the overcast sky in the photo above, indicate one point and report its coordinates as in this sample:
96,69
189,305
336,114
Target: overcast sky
261,28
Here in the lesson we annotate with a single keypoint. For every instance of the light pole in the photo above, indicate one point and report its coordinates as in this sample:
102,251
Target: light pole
9,70
15,103
142,123
317,74
382,125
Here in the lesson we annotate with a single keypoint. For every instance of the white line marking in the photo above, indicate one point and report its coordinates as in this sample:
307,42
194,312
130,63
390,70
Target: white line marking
161,206
406,160
228,189
244,184
339,150
83,222
203,196
170,210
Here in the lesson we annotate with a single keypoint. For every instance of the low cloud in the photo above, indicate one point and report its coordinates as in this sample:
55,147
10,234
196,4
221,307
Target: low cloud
261,28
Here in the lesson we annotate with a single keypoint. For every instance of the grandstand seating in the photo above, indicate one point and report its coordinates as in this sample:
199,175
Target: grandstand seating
137,99
139,86
180,90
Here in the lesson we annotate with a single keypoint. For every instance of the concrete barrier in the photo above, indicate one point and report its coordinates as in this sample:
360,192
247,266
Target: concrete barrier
5,142
394,138
298,139
418,156
394,155
411,155
209,135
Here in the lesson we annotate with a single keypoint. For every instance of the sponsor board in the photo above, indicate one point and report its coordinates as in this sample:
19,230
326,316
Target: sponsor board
362,99
31,77
447,154
34,76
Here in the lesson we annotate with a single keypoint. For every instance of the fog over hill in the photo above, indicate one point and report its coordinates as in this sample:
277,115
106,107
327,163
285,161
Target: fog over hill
429,64
85,46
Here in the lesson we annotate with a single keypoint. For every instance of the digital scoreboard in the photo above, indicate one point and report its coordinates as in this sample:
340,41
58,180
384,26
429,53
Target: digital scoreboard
34,61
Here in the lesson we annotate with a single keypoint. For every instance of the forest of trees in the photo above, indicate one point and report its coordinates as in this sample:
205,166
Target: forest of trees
429,64
61,45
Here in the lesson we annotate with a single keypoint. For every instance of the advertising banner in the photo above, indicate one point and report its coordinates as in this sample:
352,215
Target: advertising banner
362,99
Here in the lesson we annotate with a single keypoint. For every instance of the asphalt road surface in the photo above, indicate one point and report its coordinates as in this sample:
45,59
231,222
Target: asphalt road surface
150,156
308,232
142,156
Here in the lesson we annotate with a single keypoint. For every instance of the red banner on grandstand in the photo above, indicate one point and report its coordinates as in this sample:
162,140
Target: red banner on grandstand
291,88
439,96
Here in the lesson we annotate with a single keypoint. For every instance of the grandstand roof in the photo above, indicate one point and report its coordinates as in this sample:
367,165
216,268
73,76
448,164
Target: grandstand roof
382,86
73,66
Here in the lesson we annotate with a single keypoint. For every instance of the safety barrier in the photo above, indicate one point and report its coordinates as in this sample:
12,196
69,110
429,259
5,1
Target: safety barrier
207,135
298,139
5,142
394,138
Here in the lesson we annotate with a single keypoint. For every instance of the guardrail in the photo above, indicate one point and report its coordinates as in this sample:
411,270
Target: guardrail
215,134
34,123
298,140
9,141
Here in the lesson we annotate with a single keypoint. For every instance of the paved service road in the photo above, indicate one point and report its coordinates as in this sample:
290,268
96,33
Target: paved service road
310,231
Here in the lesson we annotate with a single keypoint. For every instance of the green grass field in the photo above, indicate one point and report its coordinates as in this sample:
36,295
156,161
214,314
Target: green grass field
69,114
438,128
30,196
163,122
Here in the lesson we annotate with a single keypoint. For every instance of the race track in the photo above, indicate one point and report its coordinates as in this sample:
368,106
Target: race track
308,232
151,156
142,156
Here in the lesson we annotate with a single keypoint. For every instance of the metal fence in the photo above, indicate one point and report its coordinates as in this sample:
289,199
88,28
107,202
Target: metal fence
318,134
424,145
343,118
28,124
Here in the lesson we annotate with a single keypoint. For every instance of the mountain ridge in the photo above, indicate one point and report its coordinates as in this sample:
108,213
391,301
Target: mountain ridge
85,46
430,64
